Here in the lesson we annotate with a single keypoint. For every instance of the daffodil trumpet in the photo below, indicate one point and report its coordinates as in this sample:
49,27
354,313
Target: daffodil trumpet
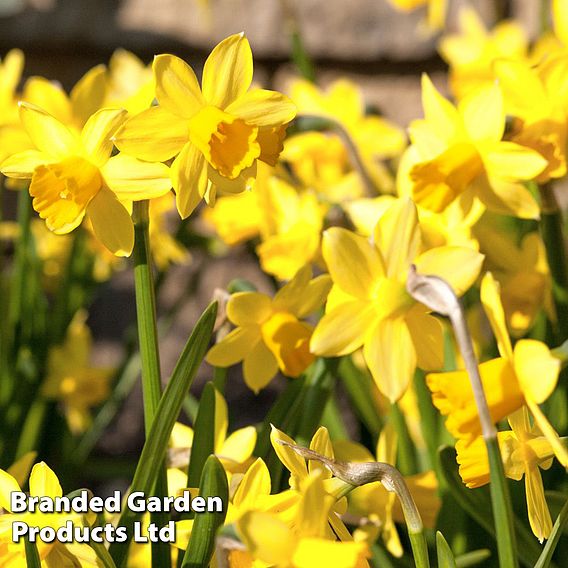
438,295
355,474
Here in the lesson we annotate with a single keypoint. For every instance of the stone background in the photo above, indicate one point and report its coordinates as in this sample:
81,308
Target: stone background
367,40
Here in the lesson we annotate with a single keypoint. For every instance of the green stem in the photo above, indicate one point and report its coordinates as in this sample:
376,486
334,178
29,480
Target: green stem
407,462
551,227
319,387
559,525
149,353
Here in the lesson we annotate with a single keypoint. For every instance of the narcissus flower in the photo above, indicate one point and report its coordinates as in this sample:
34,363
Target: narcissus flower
526,374
524,450
218,132
471,52
73,175
305,542
461,150
437,10
71,380
368,305
270,333
42,483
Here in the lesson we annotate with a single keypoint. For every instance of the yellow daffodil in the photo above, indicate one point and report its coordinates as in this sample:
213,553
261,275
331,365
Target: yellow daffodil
236,218
560,19
524,450
42,483
13,137
437,10
129,83
522,271
319,161
526,374
368,305
541,107
471,52
291,229
380,508
270,333
73,110
461,150
234,450
71,380
305,542
73,175
375,138
218,132
165,249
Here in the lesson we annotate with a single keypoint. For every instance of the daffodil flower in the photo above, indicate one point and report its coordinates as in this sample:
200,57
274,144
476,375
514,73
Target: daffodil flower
42,483
524,450
304,543
217,132
461,150
526,374
368,305
541,107
437,10
233,450
270,333
72,380
73,175
471,52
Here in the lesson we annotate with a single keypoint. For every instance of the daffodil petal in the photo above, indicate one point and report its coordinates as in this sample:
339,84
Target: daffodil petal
46,132
314,297
342,330
8,485
458,266
491,300
539,515
293,462
560,450
427,336
43,482
246,308
267,538
263,108
89,93
510,162
507,198
536,369
321,552
111,222
391,357
177,89
239,445
438,110
353,262
155,135
50,97
132,179
234,347
23,164
483,114
259,367
97,133
255,482
227,73
189,178
397,236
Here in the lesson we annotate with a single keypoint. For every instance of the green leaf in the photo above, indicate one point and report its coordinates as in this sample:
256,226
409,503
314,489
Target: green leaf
154,449
445,555
203,436
557,530
472,558
32,556
202,540
477,503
